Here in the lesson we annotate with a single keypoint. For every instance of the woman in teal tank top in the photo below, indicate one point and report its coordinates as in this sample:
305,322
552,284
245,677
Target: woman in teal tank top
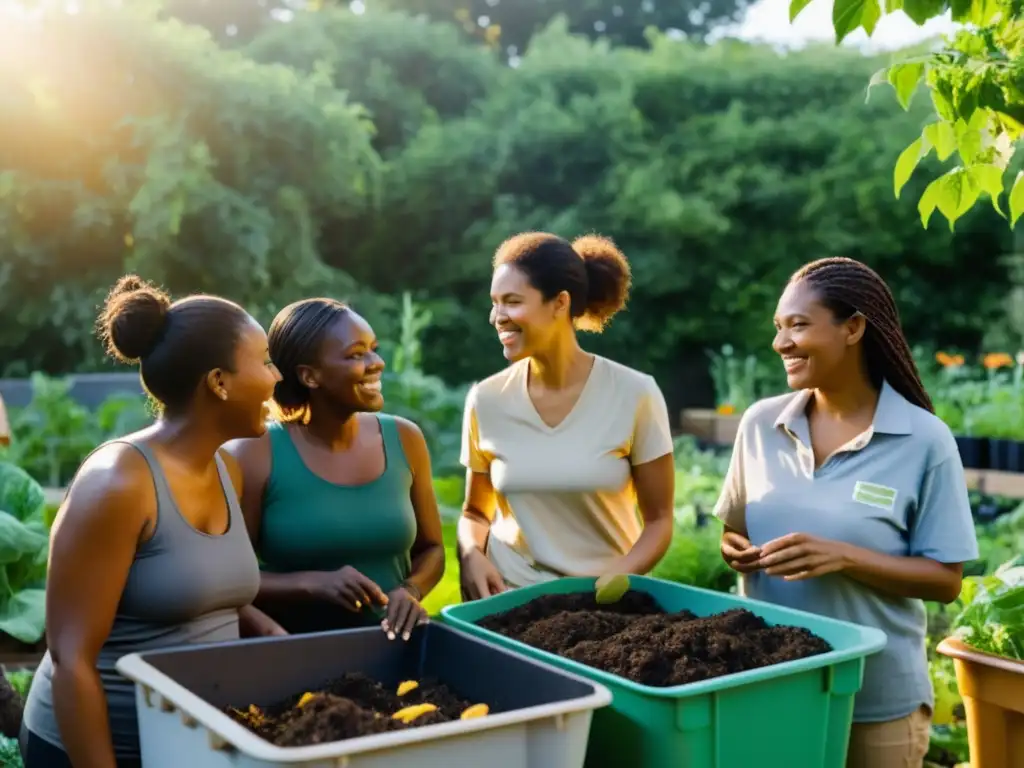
338,497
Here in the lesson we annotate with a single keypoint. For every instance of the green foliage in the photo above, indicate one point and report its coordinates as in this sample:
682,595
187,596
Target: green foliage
992,620
434,406
24,546
741,381
361,156
984,400
510,25
694,557
10,753
974,81
54,433
405,75
146,147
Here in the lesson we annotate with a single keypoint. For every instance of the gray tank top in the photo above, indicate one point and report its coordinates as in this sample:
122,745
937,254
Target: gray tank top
184,587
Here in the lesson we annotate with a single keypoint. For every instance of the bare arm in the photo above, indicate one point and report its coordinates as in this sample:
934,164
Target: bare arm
655,483
428,549
477,513
93,544
254,460
477,575
797,556
918,577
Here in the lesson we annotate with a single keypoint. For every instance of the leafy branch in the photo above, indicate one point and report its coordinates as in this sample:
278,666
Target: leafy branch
974,82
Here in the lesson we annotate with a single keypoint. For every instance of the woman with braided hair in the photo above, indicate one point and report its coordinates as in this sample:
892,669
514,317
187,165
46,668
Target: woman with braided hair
847,498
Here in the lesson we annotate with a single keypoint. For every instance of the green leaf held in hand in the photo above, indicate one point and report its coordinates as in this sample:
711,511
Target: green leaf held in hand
611,587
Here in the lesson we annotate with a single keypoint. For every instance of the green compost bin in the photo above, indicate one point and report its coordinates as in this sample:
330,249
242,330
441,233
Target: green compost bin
792,715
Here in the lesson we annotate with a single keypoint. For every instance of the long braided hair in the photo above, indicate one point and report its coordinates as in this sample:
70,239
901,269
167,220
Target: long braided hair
846,287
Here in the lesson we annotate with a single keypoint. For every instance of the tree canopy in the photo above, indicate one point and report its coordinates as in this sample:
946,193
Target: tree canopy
973,78
362,156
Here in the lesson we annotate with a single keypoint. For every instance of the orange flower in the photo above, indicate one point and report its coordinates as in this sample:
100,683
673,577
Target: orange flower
726,409
958,360
995,360
943,359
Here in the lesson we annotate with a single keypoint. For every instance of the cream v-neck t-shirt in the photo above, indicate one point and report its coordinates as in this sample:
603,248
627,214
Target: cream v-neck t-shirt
566,504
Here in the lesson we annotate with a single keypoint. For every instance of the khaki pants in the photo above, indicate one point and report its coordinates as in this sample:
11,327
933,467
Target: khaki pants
899,743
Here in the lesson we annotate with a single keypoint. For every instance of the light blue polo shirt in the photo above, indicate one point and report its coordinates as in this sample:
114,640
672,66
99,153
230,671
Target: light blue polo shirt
898,488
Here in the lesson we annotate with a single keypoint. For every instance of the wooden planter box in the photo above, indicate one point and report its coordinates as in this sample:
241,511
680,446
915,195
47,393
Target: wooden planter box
992,688
709,426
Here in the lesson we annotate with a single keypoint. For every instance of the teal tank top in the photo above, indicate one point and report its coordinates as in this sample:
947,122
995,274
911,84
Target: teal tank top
311,524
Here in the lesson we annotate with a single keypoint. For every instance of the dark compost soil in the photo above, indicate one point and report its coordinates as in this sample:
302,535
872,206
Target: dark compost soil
634,638
351,706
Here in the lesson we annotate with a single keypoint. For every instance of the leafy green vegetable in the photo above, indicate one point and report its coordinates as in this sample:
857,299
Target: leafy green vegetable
992,620
10,754
24,546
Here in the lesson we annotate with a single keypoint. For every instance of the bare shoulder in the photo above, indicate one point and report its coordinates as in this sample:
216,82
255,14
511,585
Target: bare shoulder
246,450
114,485
248,460
413,443
408,429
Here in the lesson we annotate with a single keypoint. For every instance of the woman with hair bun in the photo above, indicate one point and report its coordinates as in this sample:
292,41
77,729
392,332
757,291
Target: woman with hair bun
562,447
149,549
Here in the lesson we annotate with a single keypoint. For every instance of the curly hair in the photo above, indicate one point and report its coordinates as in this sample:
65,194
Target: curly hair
591,269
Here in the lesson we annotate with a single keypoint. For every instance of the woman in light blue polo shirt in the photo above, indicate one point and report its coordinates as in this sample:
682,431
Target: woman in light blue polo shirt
847,498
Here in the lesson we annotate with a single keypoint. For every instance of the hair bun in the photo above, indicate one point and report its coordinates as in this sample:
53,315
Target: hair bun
608,280
133,318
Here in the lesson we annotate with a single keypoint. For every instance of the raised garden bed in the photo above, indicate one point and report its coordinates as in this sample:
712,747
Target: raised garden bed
207,706
637,639
791,698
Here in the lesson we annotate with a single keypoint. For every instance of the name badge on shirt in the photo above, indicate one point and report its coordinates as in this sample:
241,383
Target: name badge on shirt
875,495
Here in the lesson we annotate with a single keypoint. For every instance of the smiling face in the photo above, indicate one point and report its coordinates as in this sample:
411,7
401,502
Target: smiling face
525,322
349,369
817,348
248,389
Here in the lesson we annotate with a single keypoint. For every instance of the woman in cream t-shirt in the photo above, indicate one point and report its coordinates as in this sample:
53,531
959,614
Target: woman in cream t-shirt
569,455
